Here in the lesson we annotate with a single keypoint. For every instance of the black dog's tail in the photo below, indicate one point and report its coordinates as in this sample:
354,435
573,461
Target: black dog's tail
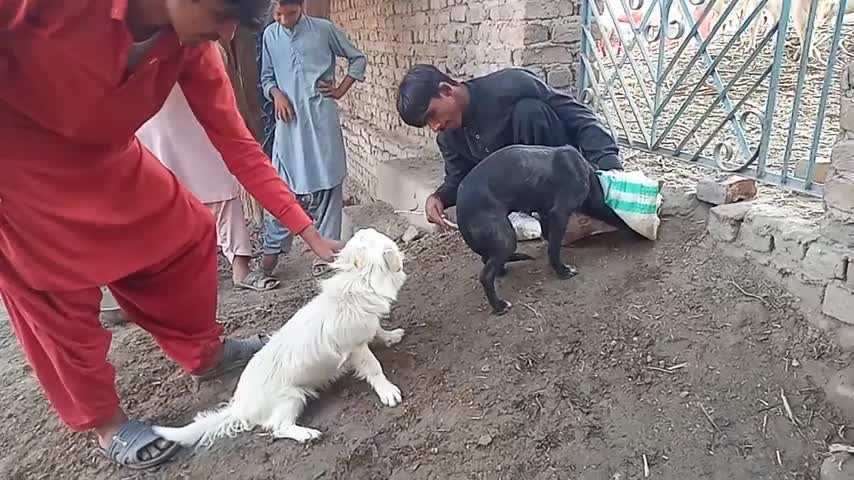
520,257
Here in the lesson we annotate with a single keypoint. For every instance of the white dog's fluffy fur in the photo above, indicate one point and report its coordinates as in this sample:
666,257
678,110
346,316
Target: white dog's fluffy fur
326,338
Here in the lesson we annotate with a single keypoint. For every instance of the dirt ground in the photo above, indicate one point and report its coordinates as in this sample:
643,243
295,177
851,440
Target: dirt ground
665,354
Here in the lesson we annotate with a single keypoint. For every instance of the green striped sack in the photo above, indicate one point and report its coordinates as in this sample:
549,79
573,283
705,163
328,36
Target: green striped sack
635,198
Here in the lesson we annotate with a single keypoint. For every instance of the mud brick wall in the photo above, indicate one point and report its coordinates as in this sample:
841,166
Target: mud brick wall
466,38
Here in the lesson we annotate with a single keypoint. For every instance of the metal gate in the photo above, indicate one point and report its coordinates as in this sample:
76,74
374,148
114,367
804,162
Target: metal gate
719,82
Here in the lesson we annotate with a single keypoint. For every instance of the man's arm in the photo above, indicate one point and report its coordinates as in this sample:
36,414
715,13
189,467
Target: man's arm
583,126
206,85
341,46
456,168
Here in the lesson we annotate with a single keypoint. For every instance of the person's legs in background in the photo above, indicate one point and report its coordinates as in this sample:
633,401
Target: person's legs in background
277,241
326,209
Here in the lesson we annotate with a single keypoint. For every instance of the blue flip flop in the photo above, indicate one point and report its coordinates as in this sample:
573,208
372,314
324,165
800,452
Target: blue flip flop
133,444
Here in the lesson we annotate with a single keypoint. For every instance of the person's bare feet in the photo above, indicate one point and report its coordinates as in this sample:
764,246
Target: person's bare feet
107,431
240,269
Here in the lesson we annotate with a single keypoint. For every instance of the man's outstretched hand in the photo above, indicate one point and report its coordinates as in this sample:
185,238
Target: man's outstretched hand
435,211
324,248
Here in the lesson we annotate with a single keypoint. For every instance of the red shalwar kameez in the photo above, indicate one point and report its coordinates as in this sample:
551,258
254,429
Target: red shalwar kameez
83,204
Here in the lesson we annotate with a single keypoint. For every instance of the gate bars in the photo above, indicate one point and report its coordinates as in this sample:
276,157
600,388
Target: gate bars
700,81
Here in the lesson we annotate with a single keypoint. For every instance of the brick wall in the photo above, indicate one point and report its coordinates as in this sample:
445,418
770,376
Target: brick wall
466,38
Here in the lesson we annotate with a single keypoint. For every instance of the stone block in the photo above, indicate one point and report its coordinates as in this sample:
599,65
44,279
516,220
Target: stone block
754,241
840,391
561,77
542,55
809,298
729,189
839,302
846,113
458,13
725,220
502,12
791,244
838,228
825,262
476,13
540,9
678,202
822,168
844,337
535,33
765,219
850,274
568,30
839,187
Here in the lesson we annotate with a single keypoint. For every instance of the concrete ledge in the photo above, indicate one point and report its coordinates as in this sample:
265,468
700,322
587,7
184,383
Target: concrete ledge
405,185
379,216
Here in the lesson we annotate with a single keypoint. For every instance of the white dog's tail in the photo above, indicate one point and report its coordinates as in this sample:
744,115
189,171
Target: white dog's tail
206,428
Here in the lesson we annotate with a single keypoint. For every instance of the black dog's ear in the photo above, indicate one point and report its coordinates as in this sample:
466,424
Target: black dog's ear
393,260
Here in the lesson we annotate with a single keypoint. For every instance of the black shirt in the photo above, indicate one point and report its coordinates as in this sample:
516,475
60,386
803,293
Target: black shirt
487,126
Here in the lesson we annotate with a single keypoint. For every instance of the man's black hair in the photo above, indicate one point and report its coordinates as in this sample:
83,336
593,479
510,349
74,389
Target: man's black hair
287,2
418,87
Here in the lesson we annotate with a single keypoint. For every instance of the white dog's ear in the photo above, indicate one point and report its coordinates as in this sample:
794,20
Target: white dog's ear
393,260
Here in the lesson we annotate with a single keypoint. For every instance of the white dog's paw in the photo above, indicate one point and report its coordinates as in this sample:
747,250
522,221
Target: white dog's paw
389,393
393,337
297,433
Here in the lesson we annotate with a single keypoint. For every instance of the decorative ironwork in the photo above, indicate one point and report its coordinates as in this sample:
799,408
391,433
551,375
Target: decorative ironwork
698,80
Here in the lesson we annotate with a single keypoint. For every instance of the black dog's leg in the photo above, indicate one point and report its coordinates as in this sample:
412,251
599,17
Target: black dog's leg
487,279
544,225
501,271
558,220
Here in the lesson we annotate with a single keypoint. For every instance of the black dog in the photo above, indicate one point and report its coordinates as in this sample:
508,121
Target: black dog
553,182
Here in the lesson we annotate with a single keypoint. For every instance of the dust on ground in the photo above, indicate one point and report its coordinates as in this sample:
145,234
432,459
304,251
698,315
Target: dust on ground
664,356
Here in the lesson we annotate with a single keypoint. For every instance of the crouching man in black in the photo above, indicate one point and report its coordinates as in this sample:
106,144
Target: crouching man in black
511,106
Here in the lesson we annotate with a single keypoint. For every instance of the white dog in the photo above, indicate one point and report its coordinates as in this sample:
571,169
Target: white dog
326,338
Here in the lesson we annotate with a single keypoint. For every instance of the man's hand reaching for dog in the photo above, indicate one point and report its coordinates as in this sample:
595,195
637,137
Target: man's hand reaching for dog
324,248
435,211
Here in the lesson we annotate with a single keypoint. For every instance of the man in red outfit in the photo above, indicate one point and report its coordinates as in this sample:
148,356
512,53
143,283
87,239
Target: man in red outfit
83,204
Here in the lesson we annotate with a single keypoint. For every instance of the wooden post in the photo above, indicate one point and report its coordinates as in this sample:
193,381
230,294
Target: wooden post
243,72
